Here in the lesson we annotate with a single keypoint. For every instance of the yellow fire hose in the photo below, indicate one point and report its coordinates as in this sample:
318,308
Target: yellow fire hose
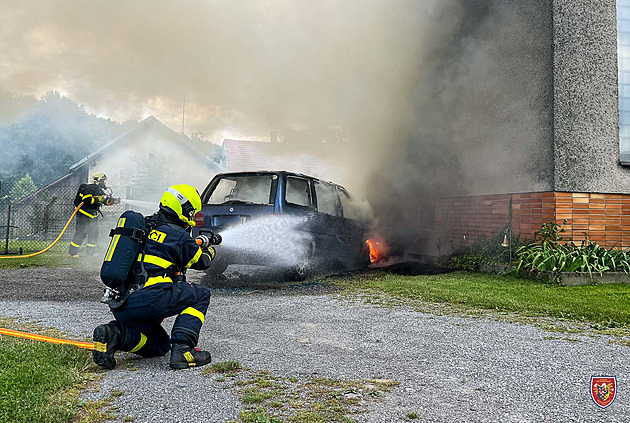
51,245
35,337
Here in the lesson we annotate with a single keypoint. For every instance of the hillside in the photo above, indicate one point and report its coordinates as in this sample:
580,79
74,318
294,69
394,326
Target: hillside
42,138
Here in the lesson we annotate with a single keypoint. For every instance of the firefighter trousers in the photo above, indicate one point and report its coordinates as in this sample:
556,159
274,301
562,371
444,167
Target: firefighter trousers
141,316
86,227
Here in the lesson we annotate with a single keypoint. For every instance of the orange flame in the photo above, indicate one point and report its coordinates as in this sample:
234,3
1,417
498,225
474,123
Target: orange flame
378,250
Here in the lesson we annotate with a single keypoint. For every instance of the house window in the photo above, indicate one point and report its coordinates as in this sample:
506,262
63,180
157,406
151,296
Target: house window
623,54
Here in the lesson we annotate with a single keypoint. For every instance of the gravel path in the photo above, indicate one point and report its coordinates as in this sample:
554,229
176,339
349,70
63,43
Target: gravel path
451,369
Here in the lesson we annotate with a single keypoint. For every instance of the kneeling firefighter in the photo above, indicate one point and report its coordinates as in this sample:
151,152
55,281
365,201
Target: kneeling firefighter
161,291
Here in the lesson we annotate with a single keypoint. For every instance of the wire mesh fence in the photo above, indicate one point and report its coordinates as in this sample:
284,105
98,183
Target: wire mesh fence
31,221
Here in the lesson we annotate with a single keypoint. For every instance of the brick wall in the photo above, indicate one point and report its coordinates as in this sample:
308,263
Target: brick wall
602,217
459,222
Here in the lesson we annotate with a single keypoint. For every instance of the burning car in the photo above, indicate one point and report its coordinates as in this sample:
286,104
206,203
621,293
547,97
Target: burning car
292,221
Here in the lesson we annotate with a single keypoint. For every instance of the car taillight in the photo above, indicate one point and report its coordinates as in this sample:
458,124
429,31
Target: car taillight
200,219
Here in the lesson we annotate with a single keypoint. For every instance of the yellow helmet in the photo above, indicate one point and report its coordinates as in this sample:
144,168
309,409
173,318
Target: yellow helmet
99,177
184,201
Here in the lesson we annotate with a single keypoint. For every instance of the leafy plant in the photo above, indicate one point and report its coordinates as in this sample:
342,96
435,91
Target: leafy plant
550,232
550,253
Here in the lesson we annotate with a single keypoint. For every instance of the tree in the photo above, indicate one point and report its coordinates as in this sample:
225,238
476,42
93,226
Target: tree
49,135
22,188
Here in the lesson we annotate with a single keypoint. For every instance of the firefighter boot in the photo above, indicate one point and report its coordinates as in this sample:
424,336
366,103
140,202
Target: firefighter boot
106,340
183,357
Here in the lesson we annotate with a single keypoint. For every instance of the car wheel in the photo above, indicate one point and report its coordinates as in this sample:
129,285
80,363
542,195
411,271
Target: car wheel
217,267
300,271
303,268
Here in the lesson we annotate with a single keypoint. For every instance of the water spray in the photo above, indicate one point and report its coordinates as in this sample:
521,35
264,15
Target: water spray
275,238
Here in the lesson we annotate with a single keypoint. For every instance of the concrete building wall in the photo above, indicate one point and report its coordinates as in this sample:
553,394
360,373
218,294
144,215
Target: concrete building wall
586,112
589,191
503,131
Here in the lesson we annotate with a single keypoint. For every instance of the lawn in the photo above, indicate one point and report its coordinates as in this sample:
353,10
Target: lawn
52,258
32,246
39,382
606,305
48,259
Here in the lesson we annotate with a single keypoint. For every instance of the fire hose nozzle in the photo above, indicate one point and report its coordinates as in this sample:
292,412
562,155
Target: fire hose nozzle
109,200
207,239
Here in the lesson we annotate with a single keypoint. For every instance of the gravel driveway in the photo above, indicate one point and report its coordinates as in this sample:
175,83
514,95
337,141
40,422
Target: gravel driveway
450,369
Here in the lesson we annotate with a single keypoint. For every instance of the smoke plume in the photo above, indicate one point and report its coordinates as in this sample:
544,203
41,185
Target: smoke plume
436,97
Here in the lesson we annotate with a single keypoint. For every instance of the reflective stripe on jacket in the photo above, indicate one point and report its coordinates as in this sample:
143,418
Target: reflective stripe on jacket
91,195
169,250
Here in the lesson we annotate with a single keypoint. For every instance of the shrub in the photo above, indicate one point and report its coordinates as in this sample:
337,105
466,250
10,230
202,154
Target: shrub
482,251
467,262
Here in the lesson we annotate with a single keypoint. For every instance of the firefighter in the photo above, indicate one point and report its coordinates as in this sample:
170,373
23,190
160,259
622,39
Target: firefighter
169,251
93,196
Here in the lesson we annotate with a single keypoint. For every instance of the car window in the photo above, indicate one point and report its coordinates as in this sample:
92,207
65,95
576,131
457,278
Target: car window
327,199
298,192
350,208
250,189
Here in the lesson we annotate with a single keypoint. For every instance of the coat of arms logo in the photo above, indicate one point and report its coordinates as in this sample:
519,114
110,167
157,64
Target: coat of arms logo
603,390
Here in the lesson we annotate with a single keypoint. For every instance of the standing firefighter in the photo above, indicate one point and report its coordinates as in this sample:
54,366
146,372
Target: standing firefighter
93,196
161,291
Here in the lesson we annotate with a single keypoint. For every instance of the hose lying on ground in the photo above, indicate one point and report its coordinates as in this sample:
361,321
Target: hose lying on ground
35,337
54,242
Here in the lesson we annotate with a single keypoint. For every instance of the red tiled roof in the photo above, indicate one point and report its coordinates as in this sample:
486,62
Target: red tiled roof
253,155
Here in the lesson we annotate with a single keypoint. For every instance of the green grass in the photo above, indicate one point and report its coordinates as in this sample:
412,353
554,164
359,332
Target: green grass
230,366
606,305
257,416
34,246
268,398
48,259
39,381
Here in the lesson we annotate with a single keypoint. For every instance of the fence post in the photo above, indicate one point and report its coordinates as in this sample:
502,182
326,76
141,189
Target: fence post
6,243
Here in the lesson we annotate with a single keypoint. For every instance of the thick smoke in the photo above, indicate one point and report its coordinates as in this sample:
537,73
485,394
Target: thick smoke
436,97
480,120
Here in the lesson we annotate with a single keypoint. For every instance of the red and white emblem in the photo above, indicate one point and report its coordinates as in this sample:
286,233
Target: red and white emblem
603,390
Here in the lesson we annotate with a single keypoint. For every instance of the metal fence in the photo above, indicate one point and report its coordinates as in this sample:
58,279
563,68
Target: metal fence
30,222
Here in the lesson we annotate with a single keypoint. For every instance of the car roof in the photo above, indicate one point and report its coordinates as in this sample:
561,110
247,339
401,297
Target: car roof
259,172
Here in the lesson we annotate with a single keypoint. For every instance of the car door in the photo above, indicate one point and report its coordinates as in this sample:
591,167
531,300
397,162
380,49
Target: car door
334,232
299,201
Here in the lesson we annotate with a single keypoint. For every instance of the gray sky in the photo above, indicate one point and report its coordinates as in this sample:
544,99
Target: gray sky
439,96
246,67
